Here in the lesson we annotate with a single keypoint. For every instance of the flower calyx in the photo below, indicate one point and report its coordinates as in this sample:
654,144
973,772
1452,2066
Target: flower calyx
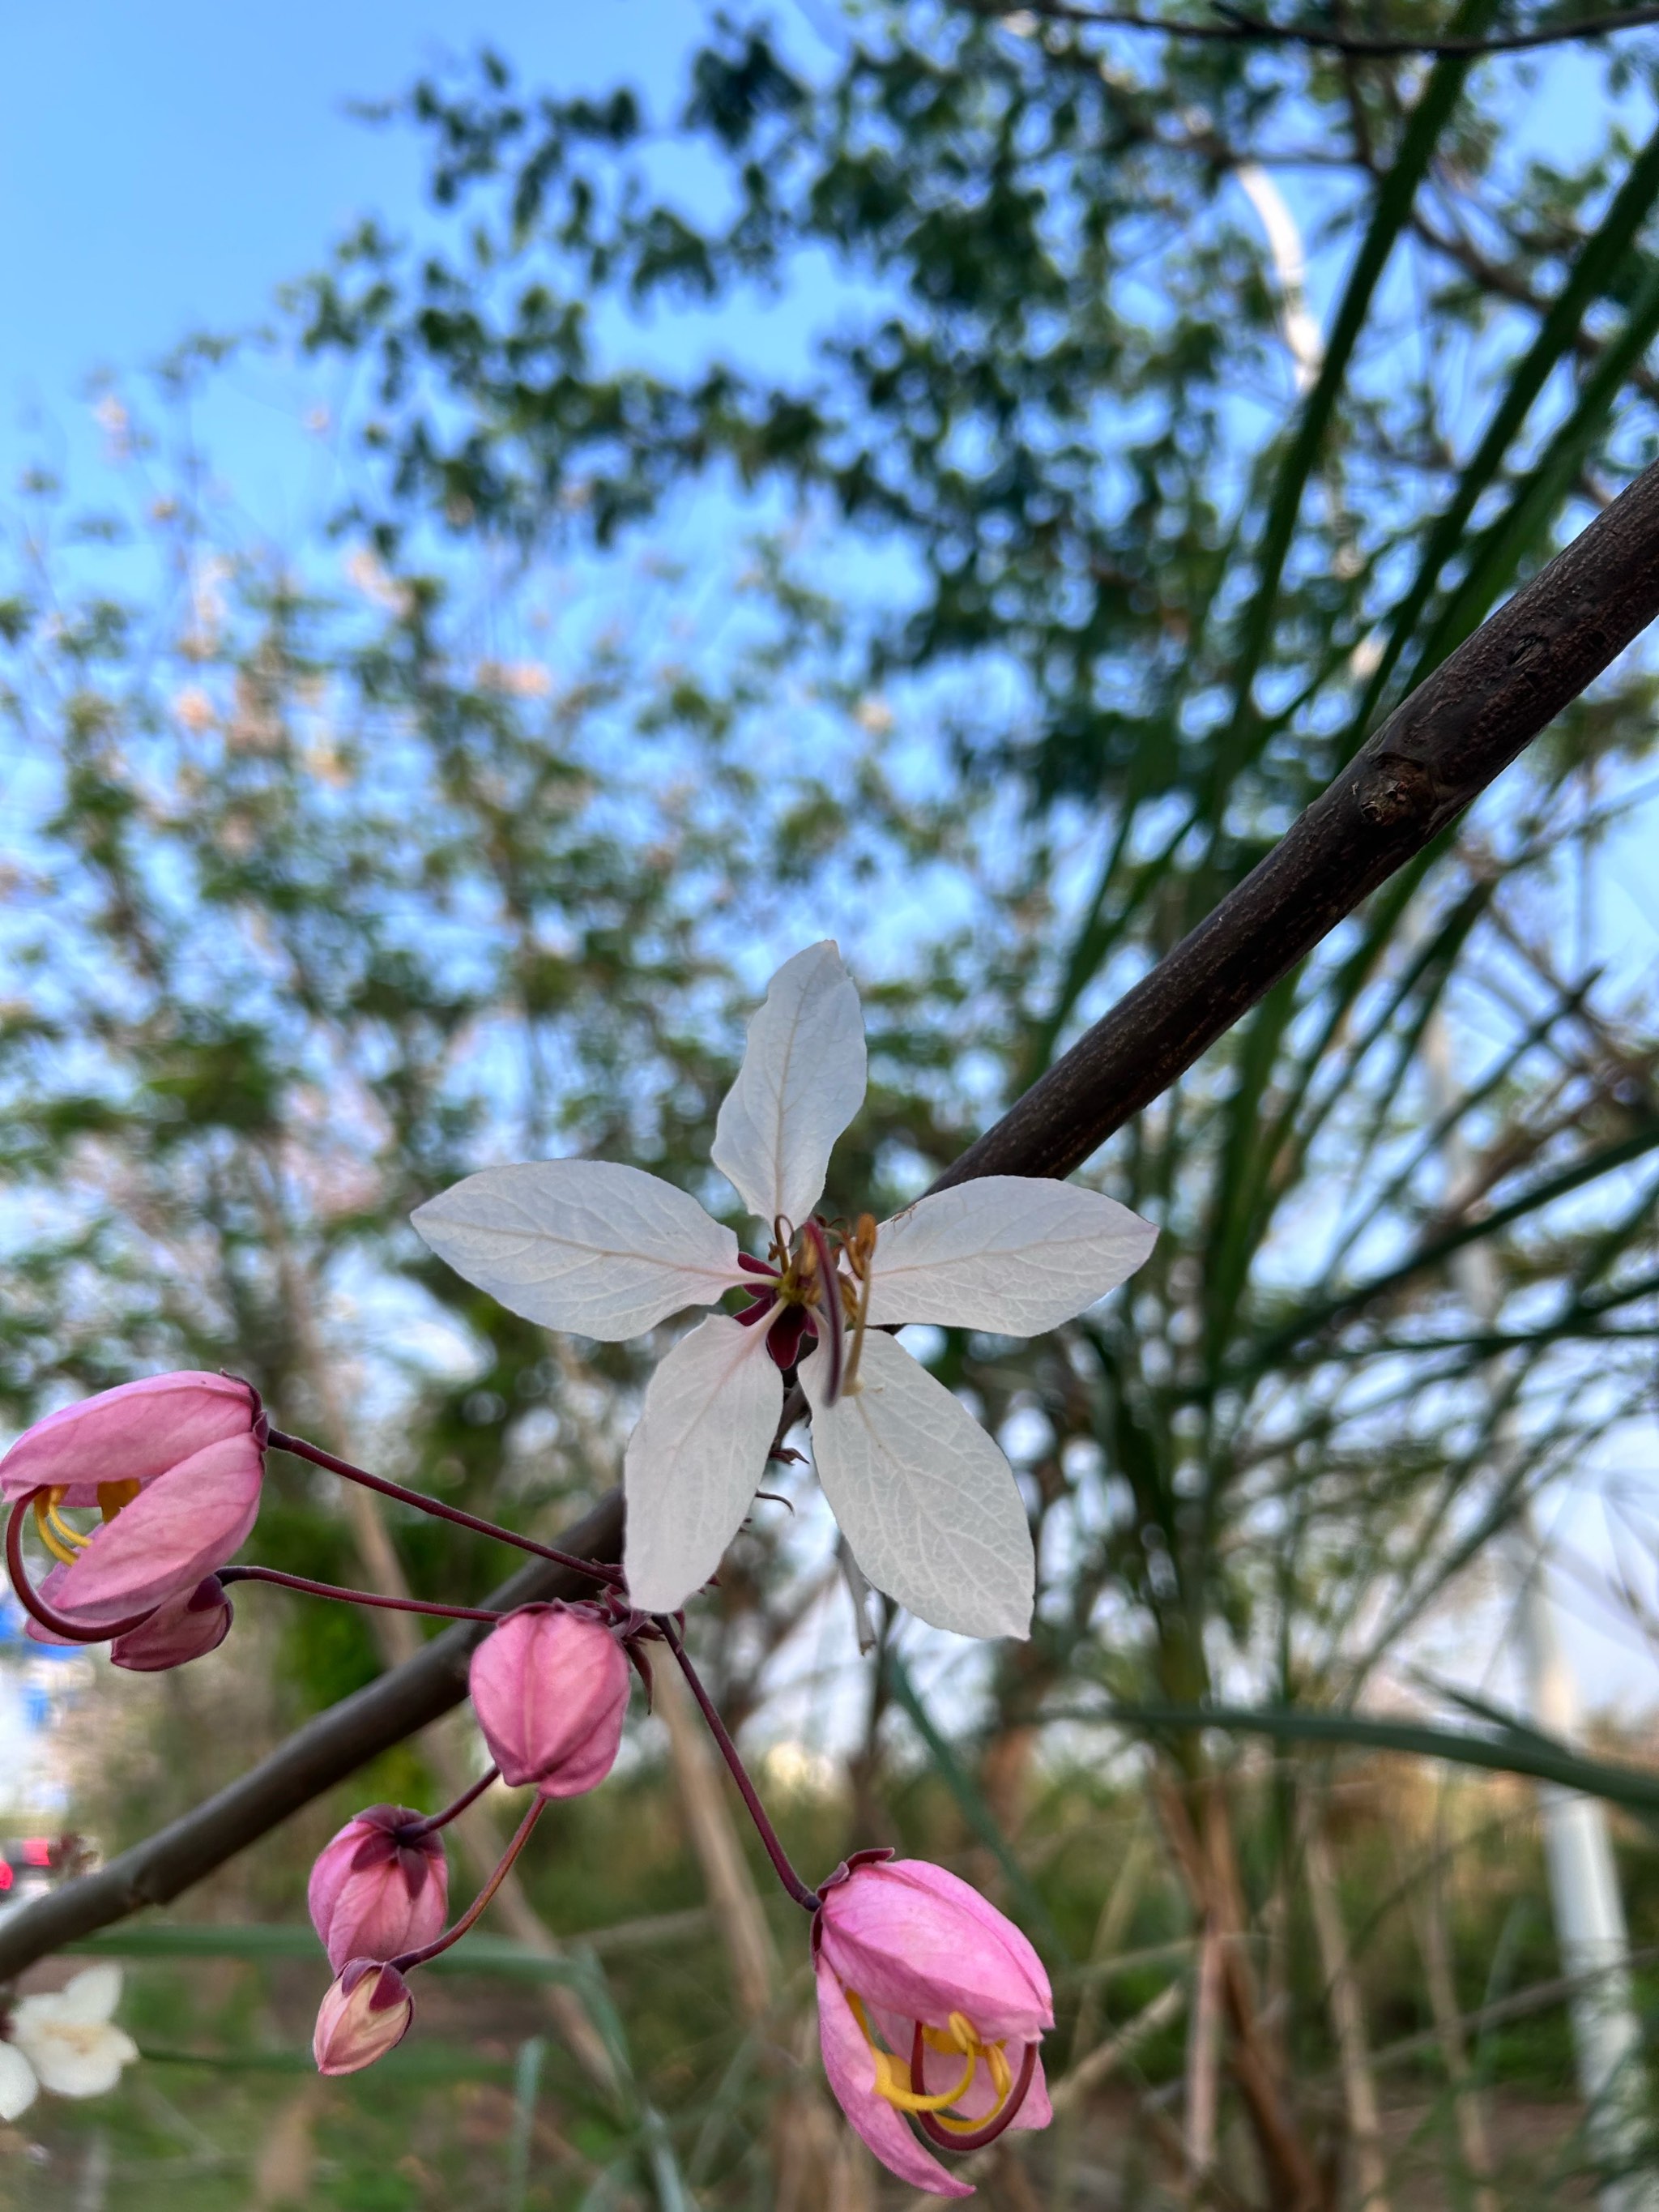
809,1296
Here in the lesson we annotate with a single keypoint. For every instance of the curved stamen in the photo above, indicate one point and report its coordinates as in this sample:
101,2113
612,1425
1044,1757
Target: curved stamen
897,2085
973,2134
829,1304
65,1543
60,1624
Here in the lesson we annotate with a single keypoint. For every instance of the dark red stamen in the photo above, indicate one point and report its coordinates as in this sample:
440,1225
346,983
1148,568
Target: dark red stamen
60,1624
761,1305
829,1286
954,2139
753,1266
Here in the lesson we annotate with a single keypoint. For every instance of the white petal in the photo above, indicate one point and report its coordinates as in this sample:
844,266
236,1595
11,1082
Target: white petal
586,1245
801,1082
927,1502
696,1459
86,2000
18,2087
1009,1253
79,2061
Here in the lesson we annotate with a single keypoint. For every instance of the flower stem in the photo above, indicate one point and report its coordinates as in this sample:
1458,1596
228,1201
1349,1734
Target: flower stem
279,1441
355,1596
768,1835
60,1624
406,1959
433,1821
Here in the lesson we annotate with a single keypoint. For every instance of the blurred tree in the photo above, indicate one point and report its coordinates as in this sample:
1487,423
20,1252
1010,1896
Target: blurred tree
1017,622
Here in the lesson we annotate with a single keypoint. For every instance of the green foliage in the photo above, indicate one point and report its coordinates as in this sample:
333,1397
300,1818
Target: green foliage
1001,632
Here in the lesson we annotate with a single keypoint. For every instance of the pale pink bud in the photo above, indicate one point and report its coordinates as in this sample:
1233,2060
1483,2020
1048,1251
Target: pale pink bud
550,1686
183,1628
176,1460
375,1893
365,2014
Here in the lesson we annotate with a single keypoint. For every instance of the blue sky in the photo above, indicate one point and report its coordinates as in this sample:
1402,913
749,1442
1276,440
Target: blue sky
165,168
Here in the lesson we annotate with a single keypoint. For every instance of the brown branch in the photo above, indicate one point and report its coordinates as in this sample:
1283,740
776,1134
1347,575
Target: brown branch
1237,28
1432,757
1435,755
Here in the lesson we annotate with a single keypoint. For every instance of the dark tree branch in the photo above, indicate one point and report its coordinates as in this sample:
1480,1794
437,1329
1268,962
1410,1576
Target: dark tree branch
1437,752
1239,28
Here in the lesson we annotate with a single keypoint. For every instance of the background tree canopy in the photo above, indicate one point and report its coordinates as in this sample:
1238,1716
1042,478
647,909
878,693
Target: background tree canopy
966,499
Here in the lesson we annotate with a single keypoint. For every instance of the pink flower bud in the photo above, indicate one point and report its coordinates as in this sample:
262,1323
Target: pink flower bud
175,1462
365,2014
931,2006
374,1893
550,1686
183,1628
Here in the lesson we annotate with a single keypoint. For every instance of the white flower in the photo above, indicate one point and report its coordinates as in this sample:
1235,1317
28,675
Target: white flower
18,2087
66,2041
923,1497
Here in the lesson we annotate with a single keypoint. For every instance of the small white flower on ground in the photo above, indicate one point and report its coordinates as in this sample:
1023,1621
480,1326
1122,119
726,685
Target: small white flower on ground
68,2039
18,2087
923,1497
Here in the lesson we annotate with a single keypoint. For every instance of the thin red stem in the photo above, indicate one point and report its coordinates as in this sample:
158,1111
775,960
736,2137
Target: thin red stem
433,1821
407,1960
768,1835
279,1441
355,1596
60,1624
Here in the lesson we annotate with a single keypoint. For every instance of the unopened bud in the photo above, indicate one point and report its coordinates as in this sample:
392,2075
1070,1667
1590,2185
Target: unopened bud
377,1890
366,2014
183,1628
550,1686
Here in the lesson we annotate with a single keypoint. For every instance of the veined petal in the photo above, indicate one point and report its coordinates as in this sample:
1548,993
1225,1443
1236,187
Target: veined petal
696,1459
923,1496
586,1245
1015,1254
132,1433
187,1522
851,2068
801,1082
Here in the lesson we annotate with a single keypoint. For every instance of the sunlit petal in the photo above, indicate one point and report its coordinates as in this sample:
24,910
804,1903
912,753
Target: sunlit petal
1012,1253
696,1459
923,1496
801,1082
586,1245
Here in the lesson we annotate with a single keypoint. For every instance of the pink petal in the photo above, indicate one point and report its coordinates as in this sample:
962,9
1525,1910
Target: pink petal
131,1434
375,1903
186,1627
187,1521
917,1941
364,2014
852,2076
550,1686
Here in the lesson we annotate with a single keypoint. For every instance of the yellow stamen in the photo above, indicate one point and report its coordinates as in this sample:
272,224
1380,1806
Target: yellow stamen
60,1539
860,1249
893,2077
112,1496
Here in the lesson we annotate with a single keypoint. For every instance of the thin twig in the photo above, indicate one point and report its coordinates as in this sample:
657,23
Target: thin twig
1238,28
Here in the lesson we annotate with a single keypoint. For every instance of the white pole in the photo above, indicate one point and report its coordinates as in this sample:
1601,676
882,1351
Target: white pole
1589,1912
